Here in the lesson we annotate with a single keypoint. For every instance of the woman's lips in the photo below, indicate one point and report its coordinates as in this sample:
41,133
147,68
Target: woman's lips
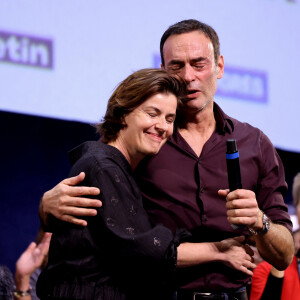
155,136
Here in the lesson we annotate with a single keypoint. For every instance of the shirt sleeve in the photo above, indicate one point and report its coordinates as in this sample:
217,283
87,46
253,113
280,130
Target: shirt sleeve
271,185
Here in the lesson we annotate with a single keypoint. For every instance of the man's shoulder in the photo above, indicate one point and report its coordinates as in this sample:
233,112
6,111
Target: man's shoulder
240,125
243,129
232,125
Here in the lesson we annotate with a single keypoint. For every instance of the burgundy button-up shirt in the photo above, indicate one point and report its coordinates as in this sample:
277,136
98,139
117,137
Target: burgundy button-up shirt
180,191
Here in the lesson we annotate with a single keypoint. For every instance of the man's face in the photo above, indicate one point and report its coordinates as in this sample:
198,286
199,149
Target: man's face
191,57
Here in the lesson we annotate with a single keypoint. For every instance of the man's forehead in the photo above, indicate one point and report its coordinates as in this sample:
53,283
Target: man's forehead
187,37
194,43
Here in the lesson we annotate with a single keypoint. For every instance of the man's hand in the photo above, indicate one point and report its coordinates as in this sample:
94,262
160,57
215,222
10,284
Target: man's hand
242,208
237,255
276,246
30,260
63,201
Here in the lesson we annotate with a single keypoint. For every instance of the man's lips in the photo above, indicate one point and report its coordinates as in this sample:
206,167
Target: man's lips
193,94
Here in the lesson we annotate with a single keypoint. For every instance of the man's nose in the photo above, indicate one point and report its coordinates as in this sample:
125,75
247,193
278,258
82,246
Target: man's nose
188,73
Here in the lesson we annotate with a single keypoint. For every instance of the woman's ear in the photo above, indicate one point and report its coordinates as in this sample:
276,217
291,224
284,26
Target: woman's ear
123,120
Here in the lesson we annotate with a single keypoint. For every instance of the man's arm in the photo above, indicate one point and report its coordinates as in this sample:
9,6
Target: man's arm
64,203
276,246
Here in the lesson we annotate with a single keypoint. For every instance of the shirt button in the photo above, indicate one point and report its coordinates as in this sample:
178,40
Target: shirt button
202,190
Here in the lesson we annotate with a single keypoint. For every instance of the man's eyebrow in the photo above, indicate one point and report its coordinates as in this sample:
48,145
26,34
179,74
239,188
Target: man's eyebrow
180,62
199,59
175,62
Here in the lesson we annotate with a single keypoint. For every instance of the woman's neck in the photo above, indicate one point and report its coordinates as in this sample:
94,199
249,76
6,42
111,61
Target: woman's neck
132,156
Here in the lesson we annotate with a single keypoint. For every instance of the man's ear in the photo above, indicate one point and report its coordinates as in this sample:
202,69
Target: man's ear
220,67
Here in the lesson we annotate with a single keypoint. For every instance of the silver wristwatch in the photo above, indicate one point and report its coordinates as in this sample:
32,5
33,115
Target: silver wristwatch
266,226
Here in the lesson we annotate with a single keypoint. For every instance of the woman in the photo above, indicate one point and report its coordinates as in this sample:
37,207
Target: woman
120,255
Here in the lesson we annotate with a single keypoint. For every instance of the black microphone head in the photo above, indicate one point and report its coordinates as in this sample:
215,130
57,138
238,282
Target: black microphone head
231,146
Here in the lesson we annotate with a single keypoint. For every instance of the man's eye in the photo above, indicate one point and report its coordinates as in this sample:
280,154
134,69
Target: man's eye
174,68
152,115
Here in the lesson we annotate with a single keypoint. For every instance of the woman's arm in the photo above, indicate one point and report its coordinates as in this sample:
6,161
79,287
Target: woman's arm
232,252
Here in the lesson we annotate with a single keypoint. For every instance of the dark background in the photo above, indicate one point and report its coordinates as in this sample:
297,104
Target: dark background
34,159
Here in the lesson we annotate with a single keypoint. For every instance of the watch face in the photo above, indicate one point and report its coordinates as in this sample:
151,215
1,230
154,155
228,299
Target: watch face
266,225
266,221
264,229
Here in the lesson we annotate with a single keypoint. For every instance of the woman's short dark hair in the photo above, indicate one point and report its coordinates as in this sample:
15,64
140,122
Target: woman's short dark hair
187,26
131,93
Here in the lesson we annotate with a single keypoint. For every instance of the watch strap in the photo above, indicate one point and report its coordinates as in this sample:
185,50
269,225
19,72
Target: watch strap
266,226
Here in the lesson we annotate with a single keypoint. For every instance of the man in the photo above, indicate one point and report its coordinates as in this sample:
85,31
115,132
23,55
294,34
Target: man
181,185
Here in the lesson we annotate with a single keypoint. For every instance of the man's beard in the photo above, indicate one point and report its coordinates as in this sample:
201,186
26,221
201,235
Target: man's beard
204,105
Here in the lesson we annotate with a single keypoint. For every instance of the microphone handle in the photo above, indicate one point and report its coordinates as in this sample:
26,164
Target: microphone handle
234,173
233,169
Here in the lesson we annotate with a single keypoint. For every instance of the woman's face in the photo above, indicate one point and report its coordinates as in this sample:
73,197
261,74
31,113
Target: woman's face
149,125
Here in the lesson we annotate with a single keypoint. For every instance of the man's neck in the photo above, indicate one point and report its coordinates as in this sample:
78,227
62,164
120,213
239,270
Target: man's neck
197,128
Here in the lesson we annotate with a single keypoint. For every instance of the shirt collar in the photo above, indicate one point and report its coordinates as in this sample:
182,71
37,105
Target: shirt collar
223,122
97,147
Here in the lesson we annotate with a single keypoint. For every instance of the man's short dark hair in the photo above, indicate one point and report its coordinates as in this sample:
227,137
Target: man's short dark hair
187,26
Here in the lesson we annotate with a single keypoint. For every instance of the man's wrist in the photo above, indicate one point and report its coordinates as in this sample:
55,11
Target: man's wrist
259,222
262,225
44,216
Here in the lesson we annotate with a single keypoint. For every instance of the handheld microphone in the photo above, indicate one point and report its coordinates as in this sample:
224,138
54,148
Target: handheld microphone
233,166
233,170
